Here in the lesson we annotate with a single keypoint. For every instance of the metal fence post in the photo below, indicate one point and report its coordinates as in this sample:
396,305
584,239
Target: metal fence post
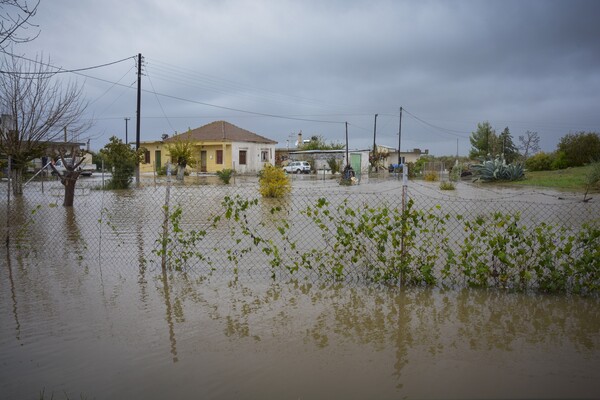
8,173
166,219
404,216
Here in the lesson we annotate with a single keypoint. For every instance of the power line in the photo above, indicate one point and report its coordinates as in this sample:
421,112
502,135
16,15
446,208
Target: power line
60,70
447,131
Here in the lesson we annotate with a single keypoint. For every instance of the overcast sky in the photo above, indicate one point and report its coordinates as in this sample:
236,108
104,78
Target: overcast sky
310,66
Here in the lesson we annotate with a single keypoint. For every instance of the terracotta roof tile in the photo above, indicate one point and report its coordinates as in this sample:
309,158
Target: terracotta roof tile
219,131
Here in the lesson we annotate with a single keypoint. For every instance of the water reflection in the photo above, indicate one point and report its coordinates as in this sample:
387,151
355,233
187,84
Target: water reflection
13,296
166,293
406,323
207,336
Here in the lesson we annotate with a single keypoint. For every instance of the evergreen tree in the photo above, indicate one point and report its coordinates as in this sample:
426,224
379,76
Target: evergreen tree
483,141
507,147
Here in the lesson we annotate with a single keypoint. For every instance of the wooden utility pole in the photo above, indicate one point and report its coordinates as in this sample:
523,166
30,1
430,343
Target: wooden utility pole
138,116
400,137
374,135
126,139
347,160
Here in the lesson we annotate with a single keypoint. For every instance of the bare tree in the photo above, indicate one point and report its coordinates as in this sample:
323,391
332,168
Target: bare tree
38,106
15,18
529,144
71,172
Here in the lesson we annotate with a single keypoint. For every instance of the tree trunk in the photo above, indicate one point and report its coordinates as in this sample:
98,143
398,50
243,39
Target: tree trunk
180,172
17,181
69,180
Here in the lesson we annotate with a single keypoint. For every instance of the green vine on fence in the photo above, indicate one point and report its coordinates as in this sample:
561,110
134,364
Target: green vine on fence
410,246
178,246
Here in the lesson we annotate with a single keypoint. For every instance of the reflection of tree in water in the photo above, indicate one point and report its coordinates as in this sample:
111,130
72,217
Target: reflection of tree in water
74,243
412,322
13,296
170,312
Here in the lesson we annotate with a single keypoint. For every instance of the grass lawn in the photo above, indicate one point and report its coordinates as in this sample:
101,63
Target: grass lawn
569,179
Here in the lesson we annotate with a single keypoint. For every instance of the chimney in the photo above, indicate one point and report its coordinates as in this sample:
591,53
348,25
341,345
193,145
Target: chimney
299,142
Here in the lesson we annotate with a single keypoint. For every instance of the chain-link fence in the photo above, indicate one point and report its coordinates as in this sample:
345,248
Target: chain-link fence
377,231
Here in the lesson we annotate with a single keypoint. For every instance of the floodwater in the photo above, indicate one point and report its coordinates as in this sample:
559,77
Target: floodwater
116,326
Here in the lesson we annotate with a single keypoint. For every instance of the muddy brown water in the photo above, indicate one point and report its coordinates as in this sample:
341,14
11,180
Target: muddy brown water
112,327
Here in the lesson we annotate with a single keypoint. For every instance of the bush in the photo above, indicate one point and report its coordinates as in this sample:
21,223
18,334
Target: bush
579,148
123,159
498,170
446,185
334,165
273,182
560,161
225,175
539,162
431,176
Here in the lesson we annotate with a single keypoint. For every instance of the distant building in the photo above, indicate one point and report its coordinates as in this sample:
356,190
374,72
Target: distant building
217,146
406,156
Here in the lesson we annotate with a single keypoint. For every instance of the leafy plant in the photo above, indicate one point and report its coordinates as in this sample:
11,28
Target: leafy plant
225,175
334,165
179,246
182,153
273,182
498,170
447,185
123,160
592,179
431,176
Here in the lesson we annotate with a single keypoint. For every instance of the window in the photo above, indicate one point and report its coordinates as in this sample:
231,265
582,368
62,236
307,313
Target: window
243,157
219,156
146,157
264,155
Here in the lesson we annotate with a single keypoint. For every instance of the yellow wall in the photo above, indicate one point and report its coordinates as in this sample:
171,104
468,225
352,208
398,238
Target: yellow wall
211,156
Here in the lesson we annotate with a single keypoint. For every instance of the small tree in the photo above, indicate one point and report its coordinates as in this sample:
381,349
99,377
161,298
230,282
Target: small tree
507,147
483,141
36,107
273,182
529,144
182,154
122,159
71,173
580,148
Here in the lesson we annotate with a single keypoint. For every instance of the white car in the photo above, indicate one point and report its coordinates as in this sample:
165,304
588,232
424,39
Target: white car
297,167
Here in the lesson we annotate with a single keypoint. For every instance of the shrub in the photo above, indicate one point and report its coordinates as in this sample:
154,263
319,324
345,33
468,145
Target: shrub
273,182
498,170
123,159
431,176
334,165
447,185
225,175
539,162
560,160
457,171
579,148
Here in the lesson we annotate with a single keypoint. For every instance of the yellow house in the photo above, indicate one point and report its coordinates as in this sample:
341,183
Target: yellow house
217,146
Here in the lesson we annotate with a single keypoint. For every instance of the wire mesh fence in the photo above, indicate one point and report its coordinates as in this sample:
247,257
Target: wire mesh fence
377,231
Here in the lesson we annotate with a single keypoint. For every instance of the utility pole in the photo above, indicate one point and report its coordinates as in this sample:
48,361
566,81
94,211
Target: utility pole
457,148
347,160
126,121
139,106
375,135
400,137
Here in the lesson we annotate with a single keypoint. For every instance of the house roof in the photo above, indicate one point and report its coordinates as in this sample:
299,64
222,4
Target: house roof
220,131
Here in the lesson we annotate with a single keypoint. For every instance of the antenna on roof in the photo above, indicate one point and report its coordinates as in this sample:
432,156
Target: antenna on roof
223,128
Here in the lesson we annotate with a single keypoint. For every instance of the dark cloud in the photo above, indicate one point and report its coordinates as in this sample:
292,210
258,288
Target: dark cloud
529,65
